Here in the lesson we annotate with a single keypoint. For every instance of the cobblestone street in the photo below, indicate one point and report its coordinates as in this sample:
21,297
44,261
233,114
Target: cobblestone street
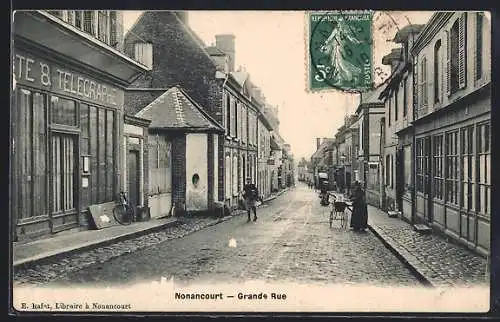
290,241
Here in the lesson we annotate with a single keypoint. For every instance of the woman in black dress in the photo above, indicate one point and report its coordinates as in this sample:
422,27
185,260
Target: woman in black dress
359,217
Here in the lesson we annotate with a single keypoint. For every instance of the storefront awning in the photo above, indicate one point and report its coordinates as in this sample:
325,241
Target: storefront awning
48,32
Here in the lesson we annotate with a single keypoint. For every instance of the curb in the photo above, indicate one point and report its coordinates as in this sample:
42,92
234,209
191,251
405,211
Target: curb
410,261
26,263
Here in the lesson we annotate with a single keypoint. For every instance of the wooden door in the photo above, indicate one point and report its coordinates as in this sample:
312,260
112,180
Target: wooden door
133,178
64,181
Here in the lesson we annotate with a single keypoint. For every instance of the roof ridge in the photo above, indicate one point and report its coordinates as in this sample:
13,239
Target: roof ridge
178,107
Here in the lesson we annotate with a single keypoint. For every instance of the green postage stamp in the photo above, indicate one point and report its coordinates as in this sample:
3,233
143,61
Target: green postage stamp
340,50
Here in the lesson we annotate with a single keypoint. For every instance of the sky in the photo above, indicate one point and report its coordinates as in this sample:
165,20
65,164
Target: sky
272,47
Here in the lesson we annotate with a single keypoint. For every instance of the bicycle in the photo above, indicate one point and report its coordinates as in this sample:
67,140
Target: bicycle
123,213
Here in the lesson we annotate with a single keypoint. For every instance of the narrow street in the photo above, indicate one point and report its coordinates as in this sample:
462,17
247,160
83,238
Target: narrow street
290,242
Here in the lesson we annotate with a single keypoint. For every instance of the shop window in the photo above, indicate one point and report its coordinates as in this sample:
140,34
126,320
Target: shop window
143,53
31,154
451,145
420,166
437,166
483,167
467,171
63,111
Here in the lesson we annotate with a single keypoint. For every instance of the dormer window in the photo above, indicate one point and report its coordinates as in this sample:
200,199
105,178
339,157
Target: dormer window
143,53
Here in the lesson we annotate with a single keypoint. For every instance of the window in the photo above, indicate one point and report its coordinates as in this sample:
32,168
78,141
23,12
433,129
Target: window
143,53
422,158
437,167
228,114
160,164
457,60
113,29
467,171
234,175
31,154
407,166
437,70
227,178
236,118
392,170
483,166
103,25
451,145
78,19
70,17
63,111
396,110
479,45
387,169
389,112
405,100
423,82
88,22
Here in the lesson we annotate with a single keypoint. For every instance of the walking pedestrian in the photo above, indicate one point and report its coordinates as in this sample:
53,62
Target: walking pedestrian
251,195
359,217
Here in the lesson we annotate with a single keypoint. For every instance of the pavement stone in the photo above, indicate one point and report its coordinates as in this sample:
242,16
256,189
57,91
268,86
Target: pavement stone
438,261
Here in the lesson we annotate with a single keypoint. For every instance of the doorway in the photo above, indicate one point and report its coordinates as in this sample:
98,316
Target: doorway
133,178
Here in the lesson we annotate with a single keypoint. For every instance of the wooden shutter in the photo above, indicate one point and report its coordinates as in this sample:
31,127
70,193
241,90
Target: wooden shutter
462,49
112,29
448,64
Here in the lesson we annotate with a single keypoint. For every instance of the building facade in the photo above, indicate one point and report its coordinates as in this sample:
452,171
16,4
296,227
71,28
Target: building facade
452,83
370,113
67,118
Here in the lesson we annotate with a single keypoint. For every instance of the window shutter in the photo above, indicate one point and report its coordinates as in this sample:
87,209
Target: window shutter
112,29
462,59
416,95
448,64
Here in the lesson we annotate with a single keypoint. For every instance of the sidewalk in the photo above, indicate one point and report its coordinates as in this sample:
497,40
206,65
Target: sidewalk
438,262
65,243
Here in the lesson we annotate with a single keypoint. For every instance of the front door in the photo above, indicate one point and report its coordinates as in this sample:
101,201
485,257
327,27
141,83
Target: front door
133,178
64,181
400,172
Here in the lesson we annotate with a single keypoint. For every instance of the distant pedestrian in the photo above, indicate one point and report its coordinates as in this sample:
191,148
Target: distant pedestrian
251,195
359,217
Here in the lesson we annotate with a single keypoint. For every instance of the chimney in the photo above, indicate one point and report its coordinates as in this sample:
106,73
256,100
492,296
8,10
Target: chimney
226,44
318,143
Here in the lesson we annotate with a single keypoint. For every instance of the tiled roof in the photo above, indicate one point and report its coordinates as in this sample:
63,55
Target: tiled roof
372,97
214,51
174,109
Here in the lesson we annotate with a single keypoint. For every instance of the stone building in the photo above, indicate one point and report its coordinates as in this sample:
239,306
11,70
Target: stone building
67,120
452,129
370,113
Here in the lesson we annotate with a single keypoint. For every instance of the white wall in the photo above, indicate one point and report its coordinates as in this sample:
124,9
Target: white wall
196,163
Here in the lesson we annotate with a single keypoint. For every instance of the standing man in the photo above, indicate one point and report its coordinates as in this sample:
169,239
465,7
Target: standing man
251,195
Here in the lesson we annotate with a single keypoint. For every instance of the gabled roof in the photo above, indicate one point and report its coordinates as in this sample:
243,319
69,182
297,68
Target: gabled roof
174,109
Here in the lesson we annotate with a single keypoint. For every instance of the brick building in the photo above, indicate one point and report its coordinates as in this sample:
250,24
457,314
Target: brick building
183,155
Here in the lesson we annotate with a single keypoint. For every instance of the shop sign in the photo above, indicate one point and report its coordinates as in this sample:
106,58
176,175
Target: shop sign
32,71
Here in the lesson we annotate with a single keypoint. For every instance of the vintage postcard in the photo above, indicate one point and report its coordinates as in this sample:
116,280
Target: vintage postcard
250,161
